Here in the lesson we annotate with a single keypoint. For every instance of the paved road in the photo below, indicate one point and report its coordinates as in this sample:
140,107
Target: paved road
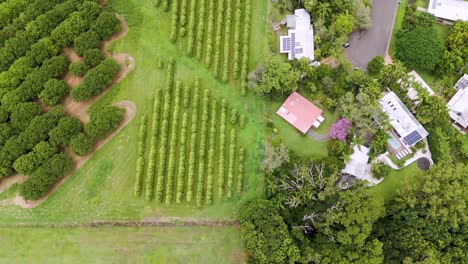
367,44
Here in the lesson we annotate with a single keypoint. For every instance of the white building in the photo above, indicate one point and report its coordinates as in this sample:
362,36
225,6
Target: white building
413,93
408,130
458,105
299,43
451,10
358,166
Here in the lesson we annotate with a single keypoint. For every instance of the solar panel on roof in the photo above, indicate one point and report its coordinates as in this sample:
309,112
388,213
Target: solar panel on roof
412,138
293,45
286,44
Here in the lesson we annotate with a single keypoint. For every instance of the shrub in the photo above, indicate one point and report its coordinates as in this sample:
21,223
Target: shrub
340,129
40,181
209,32
28,163
237,39
233,116
78,68
103,121
182,157
202,148
93,57
375,66
53,91
67,128
81,144
95,80
200,29
174,20
227,41
23,114
106,25
218,37
191,27
242,121
381,170
85,41
193,140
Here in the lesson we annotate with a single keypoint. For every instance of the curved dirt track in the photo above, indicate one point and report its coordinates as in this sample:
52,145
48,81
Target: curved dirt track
78,109
78,161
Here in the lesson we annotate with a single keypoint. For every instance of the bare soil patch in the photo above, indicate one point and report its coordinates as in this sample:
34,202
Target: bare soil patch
5,183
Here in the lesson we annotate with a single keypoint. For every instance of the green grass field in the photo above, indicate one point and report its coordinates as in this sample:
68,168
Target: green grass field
121,245
103,187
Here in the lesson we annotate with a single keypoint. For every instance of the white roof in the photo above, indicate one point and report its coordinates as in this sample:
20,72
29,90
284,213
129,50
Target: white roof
462,83
401,119
357,163
449,9
413,93
458,107
299,42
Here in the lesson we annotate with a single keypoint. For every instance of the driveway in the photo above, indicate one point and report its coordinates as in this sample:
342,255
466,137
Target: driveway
367,44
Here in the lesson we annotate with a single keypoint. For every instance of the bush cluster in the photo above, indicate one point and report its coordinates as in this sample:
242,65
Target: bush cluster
219,37
106,25
78,68
174,20
227,41
182,158
183,17
209,32
66,128
200,30
29,163
96,80
237,39
245,47
92,57
53,91
191,28
85,41
240,170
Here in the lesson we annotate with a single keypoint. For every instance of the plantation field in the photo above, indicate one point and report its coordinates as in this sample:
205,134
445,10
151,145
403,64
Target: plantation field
121,245
103,188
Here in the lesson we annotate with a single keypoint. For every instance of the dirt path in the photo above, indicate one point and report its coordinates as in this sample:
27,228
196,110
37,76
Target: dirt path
126,62
78,161
5,183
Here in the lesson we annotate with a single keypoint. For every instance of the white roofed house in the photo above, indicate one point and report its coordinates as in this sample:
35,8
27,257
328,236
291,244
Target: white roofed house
299,43
450,10
458,105
407,131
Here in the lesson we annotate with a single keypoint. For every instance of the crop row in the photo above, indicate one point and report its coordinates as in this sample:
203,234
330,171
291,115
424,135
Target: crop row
140,165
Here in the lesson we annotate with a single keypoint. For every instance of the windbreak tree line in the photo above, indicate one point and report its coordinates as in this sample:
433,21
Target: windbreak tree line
32,36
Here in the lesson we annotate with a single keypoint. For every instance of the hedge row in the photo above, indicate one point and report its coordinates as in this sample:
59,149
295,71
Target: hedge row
240,169
222,143
218,37
210,31
202,148
191,27
96,80
227,41
193,140
173,144
182,158
43,178
237,39
140,164
200,30
37,131
30,13
183,17
29,163
149,191
163,138
186,97
174,20
245,47
166,5
232,157
211,152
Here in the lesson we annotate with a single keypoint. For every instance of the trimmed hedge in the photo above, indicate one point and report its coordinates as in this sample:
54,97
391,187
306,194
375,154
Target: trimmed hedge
182,157
211,152
240,169
193,140
222,143
202,149
150,174
232,157
140,164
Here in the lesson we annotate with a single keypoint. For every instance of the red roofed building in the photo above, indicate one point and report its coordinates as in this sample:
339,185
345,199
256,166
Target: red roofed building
301,113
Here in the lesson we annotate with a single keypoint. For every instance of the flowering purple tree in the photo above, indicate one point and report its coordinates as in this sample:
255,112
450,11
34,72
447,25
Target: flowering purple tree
339,130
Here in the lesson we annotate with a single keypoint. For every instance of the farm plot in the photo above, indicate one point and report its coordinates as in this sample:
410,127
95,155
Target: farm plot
214,32
35,129
194,153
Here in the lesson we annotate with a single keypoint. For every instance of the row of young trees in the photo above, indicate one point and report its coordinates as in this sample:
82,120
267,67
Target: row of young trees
140,164
185,145
245,47
216,31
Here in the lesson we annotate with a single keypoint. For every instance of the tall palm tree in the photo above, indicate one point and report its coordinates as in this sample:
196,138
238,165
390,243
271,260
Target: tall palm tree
323,9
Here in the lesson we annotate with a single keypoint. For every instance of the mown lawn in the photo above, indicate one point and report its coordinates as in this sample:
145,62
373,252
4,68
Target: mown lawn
121,245
465,143
397,179
103,187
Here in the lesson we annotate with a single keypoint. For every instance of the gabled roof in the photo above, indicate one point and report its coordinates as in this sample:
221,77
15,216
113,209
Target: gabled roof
462,83
402,120
452,10
356,166
458,106
299,42
300,113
